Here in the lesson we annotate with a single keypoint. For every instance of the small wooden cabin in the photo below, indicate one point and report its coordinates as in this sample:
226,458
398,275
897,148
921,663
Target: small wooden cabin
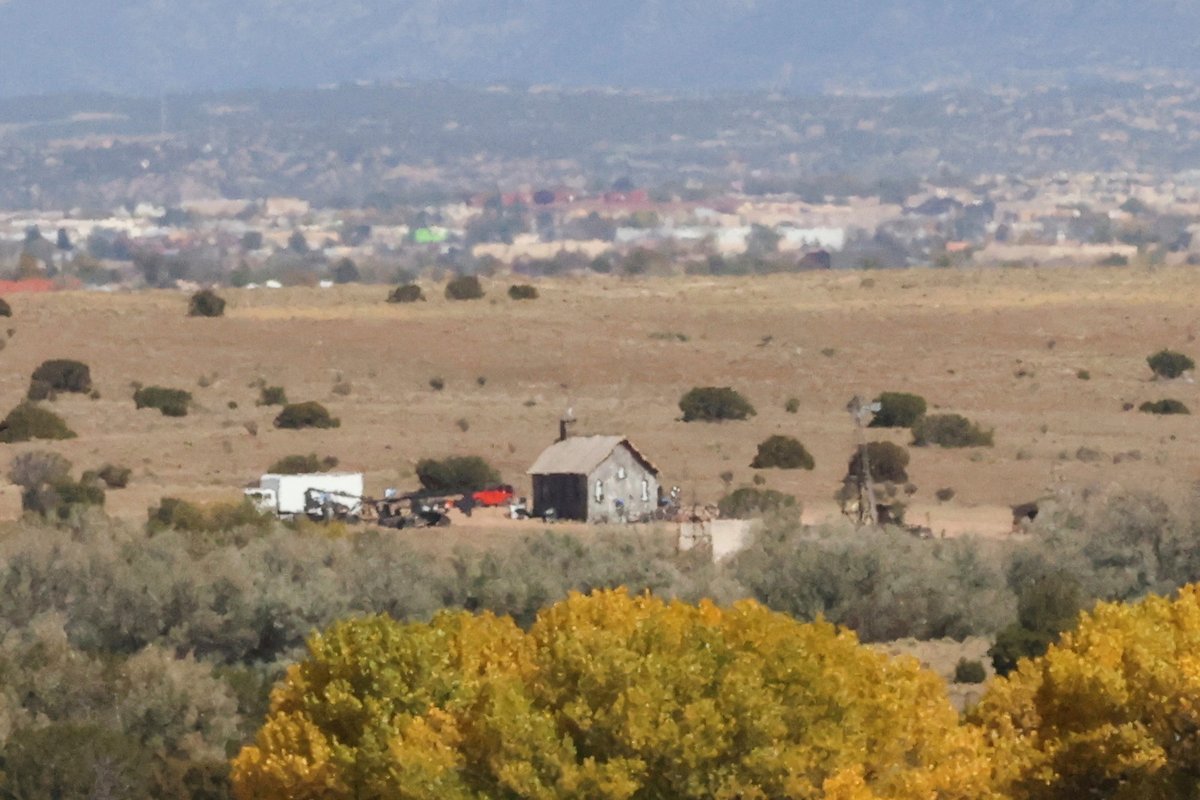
594,479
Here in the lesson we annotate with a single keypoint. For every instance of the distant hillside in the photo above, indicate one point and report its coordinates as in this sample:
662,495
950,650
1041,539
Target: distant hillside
421,141
148,46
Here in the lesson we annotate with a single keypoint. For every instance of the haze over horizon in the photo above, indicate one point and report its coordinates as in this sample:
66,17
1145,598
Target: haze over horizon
145,47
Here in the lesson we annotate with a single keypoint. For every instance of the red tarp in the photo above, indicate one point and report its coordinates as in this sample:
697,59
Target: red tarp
29,285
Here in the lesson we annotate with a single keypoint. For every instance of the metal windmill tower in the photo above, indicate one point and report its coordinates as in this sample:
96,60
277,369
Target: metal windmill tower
861,412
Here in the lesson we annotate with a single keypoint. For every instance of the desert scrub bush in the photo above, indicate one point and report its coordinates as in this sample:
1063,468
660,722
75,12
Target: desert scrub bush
1169,364
456,474
466,287
60,375
882,586
47,488
56,500
310,414
714,404
113,476
1046,606
950,430
969,671
272,396
889,462
1166,406
301,464
206,303
792,405
522,291
782,452
181,515
898,410
169,402
28,421
437,383
1083,375
37,467
945,494
5,308
889,472
750,501
408,293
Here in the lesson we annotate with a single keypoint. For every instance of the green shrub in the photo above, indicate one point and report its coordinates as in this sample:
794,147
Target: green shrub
306,415
301,464
1164,407
1014,643
170,402
466,287
76,759
949,430
27,421
408,293
81,493
40,390
272,396
1046,606
56,499
898,410
1083,375
206,303
782,452
181,515
5,308
345,271
792,405
969,671
713,404
46,485
63,375
456,474
750,501
522,291
1169,364
944,495
171,512
114,476
889,463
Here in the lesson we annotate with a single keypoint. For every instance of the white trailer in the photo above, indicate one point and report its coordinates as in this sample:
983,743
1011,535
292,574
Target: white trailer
309,493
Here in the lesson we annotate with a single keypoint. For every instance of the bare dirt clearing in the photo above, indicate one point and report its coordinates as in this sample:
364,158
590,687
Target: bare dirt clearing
1003,347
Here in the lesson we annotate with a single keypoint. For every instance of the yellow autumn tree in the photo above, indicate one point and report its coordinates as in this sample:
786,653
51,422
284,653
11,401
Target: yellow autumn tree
609,697
1112,710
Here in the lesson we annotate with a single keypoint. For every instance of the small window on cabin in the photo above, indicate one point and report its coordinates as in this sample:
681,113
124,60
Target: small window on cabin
645,491
599,491
620,473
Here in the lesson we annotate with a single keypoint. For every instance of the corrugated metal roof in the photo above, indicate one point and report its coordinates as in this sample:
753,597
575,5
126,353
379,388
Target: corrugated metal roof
579,455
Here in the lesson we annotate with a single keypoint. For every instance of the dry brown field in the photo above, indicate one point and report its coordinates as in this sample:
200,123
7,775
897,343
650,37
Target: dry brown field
1002,346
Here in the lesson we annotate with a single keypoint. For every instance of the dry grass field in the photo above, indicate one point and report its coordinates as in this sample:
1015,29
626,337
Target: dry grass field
1001,346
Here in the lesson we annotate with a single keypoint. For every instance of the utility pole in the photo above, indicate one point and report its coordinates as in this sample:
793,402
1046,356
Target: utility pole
861,412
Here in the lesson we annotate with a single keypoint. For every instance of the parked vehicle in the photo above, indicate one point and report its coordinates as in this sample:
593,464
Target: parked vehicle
317,495
500,495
